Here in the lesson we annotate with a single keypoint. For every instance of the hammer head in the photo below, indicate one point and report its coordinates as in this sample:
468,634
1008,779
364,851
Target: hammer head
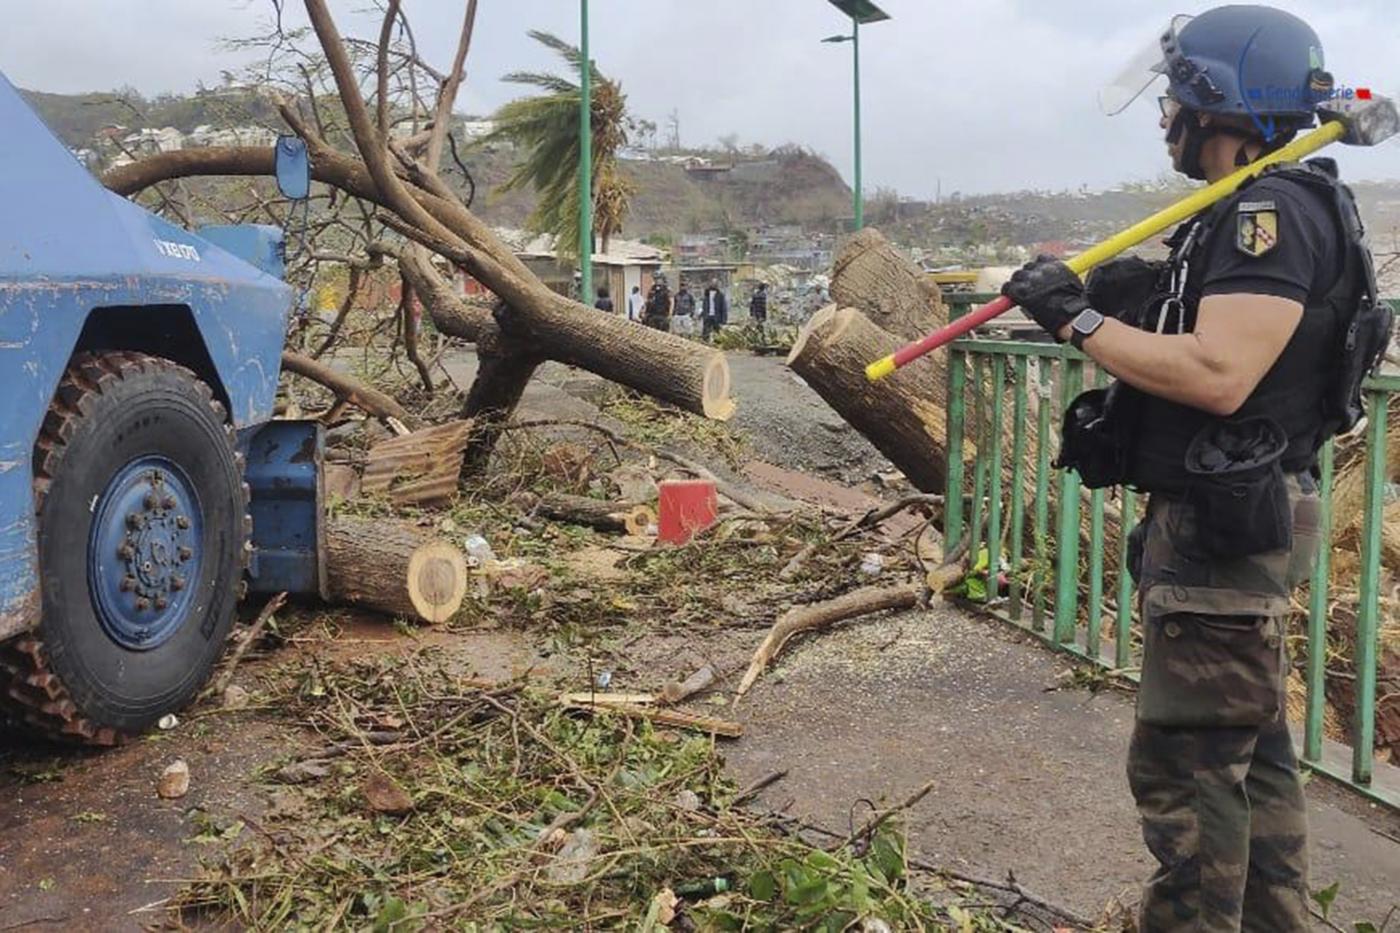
1368,122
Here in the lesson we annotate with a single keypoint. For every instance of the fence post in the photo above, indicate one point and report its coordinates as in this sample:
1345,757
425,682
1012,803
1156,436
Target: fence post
994,490
1317,613
1067,529
1018,482
957,411
1364,724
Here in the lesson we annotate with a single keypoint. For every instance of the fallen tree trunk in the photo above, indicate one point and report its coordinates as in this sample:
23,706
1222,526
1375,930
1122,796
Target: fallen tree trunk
658,364
393,567
625,517
684,373
902,415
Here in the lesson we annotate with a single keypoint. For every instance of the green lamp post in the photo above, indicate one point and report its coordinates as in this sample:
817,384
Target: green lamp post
585,163
860,11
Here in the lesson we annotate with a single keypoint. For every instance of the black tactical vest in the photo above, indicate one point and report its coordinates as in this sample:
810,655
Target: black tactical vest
1298,391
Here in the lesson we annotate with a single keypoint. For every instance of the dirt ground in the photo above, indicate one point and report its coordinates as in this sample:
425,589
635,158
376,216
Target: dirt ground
1027,778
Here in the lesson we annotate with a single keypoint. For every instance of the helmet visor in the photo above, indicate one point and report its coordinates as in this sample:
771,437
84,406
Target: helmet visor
1141,70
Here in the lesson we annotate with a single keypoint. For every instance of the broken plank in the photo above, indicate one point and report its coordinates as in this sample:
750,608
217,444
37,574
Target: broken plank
419,468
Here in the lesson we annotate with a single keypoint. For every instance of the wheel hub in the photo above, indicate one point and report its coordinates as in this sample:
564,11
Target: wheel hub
143,552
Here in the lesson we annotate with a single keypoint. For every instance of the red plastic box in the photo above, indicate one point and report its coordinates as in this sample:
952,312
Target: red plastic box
684,507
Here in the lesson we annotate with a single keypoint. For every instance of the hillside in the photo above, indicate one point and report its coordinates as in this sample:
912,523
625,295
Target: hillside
788,185
77,118
730,192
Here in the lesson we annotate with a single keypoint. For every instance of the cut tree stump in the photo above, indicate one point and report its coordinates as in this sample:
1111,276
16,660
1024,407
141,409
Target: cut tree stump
902,415
419,468
870,274
395,567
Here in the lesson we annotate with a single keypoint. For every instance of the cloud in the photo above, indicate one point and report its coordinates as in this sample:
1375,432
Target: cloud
970,95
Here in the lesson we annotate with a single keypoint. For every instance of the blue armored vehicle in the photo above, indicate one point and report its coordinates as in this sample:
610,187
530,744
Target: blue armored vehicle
137,362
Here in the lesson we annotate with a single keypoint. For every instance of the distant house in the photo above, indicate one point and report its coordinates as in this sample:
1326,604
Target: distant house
477,129
698,247
625,264
157,139
206,135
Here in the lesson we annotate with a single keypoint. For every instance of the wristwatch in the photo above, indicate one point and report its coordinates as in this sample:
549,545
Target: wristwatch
1083,326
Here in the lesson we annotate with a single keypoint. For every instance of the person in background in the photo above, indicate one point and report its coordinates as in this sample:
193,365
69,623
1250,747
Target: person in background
758,304
683,319
604,302
658,307
714,310
634,304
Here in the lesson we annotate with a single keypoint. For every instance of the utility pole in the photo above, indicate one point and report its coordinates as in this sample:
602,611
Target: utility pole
860,11
859,201
585,162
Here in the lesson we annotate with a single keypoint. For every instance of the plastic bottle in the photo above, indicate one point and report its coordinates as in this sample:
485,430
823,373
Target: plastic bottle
706,887
478,551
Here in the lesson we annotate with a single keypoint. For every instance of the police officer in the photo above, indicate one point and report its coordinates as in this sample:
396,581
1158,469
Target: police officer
657,314
1227,376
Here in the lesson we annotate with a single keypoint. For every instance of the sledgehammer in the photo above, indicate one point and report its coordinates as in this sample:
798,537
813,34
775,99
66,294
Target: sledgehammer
1355,122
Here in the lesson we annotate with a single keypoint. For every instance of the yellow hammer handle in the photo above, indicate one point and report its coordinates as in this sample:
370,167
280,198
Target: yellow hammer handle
1198,201
1188,206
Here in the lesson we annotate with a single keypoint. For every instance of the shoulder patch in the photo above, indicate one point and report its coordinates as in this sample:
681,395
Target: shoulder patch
1256,231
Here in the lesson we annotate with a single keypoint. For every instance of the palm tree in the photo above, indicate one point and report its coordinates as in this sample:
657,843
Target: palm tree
546,127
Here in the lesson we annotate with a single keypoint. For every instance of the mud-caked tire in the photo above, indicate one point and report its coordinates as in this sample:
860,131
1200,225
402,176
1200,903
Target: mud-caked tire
142,545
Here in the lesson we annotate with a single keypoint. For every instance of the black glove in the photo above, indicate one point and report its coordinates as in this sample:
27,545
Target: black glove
1049,291
1122,287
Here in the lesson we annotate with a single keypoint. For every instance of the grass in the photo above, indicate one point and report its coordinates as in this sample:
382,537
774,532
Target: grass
524,816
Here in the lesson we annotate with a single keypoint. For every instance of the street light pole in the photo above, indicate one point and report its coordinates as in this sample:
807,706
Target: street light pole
859,207
585,163
860,11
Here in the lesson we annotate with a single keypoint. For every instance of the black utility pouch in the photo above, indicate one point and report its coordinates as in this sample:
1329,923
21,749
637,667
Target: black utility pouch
1095,437
1236,487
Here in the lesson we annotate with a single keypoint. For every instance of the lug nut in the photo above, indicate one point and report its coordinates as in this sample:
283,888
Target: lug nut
182,522
128,584
168,502
161,602
177,583
150,502
126,552
185,554
133,520
142,604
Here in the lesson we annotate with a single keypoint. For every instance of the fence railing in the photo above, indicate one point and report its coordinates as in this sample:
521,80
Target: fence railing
1085,603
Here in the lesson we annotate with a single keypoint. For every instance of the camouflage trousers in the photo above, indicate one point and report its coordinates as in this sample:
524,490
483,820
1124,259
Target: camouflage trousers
1211,763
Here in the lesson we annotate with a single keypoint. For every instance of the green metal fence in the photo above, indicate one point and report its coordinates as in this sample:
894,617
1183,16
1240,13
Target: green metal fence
1084,603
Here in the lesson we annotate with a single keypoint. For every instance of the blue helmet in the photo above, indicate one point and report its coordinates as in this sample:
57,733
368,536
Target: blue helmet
1246,61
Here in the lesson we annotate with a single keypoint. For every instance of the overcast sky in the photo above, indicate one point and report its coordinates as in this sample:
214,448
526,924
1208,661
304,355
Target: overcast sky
972,95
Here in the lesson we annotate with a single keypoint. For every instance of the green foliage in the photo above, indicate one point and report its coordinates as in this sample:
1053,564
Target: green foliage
1325,898
503,784
546,127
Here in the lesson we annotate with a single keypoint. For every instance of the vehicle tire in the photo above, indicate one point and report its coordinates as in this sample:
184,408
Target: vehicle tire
143,534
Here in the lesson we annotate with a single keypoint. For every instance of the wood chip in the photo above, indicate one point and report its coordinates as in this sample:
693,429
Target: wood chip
174,781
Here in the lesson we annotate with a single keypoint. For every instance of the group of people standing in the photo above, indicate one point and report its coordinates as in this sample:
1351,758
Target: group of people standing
677,313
